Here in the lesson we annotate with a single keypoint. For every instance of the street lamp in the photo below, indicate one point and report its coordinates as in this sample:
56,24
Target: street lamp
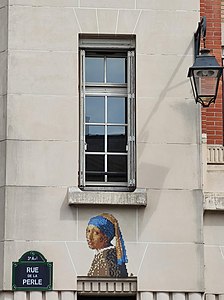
205,72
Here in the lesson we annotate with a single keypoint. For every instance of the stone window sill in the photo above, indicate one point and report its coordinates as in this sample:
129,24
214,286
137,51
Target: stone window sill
214,201
78,197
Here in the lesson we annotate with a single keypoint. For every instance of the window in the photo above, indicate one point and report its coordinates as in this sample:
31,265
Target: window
107,112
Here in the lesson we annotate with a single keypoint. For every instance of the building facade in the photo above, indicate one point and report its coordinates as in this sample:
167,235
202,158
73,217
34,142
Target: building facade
97,116
212,139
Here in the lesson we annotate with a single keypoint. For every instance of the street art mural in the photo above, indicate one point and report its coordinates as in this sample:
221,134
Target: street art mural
110,260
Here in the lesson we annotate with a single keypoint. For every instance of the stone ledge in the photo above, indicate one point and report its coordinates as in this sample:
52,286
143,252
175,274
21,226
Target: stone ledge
105,285
213,201
78,197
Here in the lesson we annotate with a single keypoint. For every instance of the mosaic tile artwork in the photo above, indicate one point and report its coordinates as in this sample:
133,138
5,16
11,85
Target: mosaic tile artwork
110,260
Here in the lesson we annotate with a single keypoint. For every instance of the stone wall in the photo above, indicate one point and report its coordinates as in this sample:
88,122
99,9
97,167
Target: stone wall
164,239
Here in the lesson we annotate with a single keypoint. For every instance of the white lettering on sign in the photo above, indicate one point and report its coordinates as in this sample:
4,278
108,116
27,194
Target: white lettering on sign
32,269
32,281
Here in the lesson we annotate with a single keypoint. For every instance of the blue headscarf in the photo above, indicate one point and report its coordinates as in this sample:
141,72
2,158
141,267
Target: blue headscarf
108,225
105,226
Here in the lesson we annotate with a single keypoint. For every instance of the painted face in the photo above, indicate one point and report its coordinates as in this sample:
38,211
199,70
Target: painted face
95,238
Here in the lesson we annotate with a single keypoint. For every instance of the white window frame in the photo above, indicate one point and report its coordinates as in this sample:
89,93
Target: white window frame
118,43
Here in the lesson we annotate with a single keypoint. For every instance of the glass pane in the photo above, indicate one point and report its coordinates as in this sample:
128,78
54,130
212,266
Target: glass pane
116,69
208,86
95,138
94,166
117,138
117,110
205,81
117,165
95,111
94,71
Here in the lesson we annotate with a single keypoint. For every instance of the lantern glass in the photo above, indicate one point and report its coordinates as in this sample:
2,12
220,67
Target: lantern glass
205,74
205,85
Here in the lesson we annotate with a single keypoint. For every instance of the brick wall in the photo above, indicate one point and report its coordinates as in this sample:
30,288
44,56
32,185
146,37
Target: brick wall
212,117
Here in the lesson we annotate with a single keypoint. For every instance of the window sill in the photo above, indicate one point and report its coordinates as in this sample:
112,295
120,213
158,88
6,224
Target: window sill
214,201
78,197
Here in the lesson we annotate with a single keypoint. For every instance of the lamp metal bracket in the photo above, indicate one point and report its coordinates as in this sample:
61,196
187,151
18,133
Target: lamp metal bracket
200,33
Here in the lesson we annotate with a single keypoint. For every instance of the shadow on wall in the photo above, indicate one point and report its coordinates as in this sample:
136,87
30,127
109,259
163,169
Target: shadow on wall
168,87
155,176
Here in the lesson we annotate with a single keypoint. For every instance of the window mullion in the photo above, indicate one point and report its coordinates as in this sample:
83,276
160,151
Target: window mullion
106,133
105,69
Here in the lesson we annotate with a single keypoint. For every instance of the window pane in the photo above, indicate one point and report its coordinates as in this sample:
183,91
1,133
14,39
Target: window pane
95,109
94,71
95,138
117,138
116,69
117,164
94,166
117,112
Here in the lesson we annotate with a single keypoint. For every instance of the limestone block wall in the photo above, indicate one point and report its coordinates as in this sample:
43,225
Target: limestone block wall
164,240
214,229
3,91
214,250
213,217
213,179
